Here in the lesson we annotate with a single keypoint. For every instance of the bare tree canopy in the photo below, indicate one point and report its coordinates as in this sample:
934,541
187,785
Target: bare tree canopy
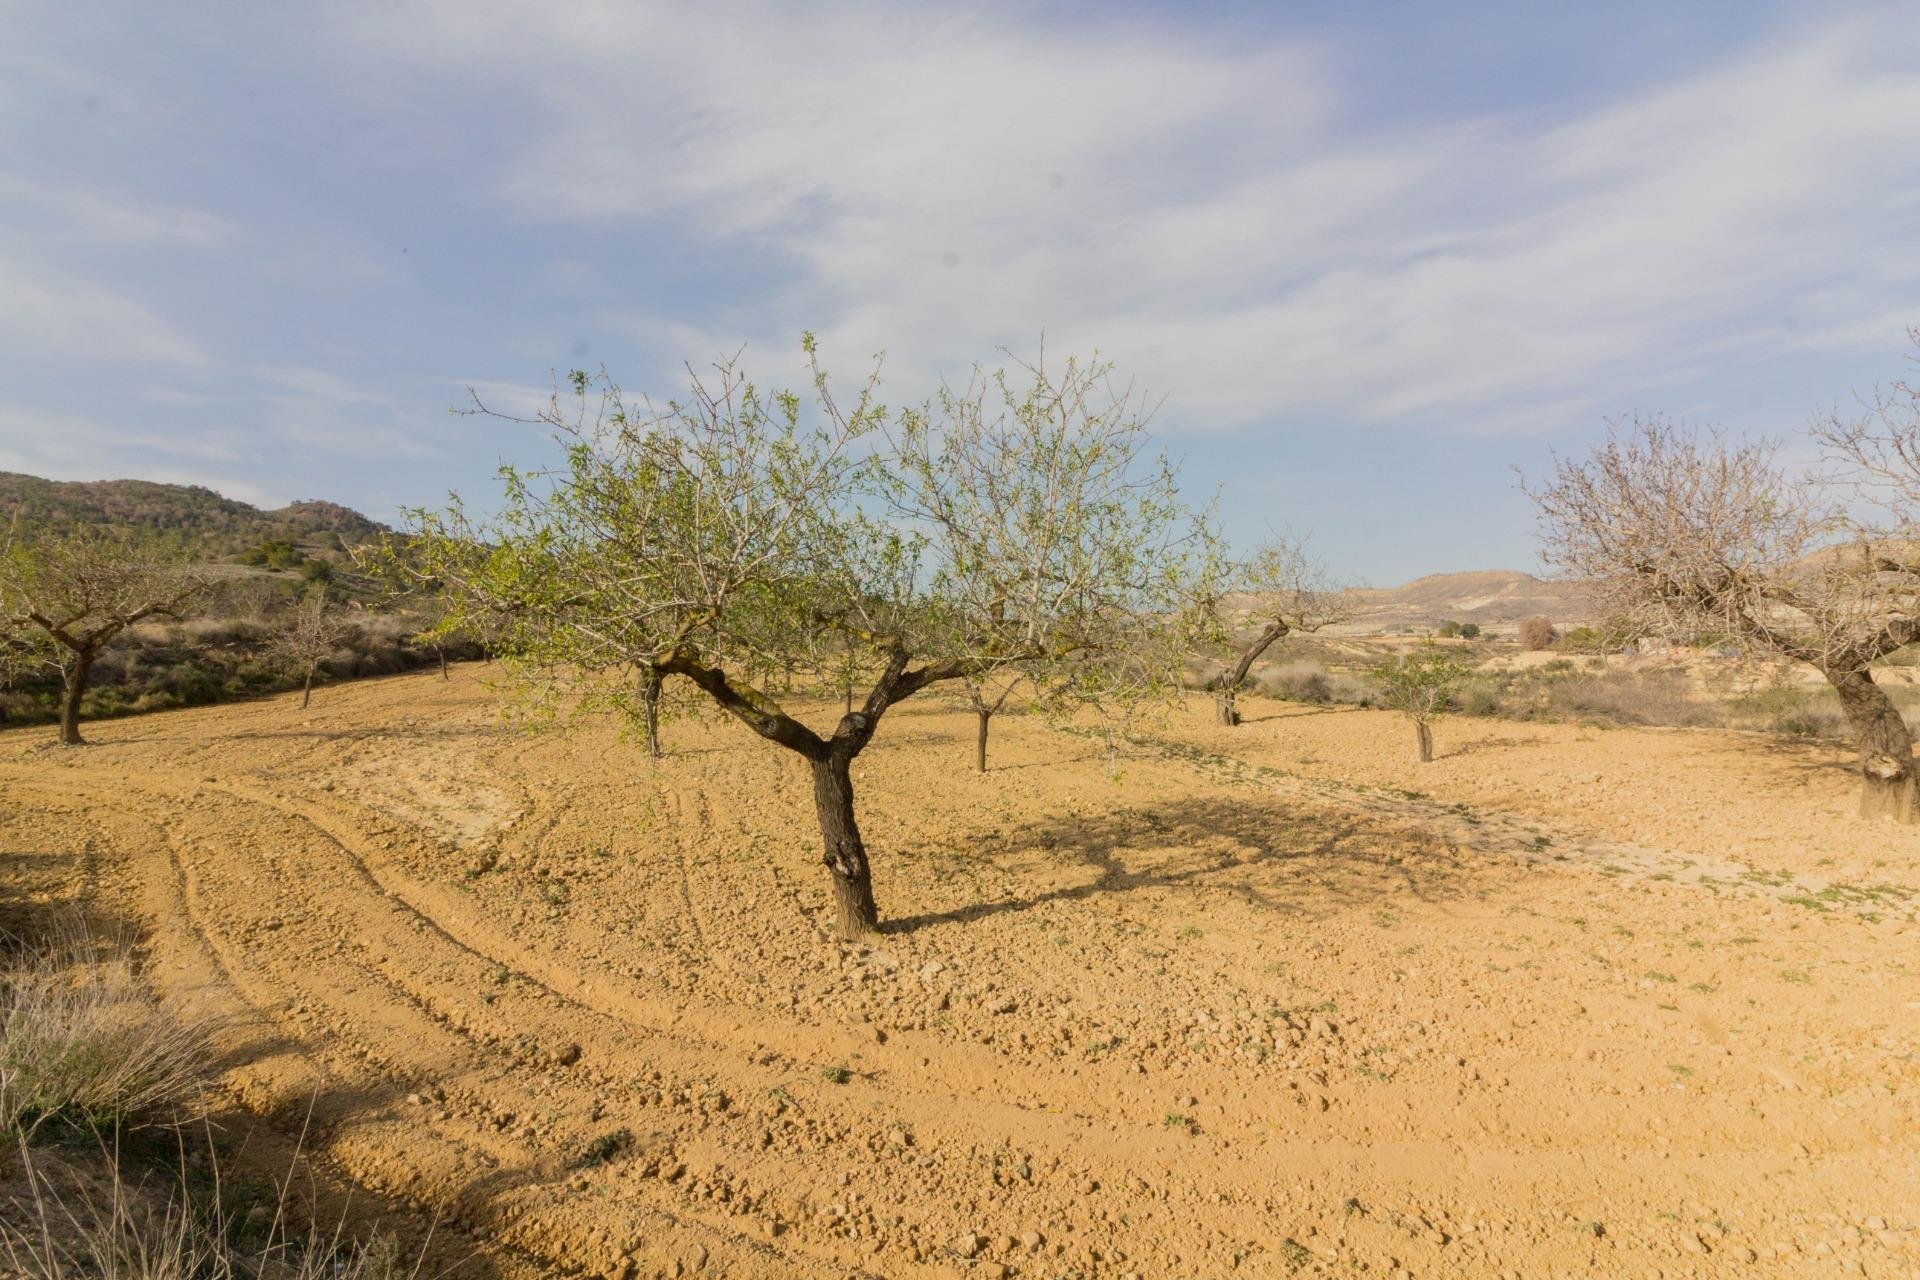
1693,532
81,587
1055,547
312,632
1011,526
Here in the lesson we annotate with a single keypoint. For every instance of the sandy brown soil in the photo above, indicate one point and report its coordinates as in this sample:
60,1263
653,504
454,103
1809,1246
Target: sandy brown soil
1588,1004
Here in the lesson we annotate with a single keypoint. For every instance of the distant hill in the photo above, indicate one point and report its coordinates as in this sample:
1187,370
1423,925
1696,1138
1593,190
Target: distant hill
1491,596
194,512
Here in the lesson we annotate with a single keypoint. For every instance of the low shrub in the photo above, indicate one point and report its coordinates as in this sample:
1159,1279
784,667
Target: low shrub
81,1038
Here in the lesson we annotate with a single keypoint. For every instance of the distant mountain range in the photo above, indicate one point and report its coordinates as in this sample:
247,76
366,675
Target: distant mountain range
1487,596
1492,596
189,511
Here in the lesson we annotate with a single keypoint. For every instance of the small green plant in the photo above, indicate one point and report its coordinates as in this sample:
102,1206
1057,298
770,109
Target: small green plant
606,1147
1420,684
839,1073
1174,1120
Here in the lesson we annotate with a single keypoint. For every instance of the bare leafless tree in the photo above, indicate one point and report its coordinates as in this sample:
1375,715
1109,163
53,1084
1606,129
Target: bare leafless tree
1278,589
312,631
82,587
1689,531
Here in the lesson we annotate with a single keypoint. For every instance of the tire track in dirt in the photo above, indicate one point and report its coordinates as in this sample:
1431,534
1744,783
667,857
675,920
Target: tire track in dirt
375,1149
1085,1127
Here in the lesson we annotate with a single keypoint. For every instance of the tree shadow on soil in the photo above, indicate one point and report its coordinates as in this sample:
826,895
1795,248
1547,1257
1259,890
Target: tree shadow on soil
1265,854
1301,711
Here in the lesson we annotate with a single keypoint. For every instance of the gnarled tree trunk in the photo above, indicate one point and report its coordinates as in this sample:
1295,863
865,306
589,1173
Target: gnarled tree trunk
845,854
1887,782
1424,731
650,682
74,688
442,651
306,690
1228,686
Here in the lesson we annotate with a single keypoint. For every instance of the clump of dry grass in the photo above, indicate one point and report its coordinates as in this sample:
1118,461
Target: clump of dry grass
89,1219
83,1040
82,1037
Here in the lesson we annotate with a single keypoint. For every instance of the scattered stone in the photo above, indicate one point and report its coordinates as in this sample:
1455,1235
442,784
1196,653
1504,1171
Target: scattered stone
567,1054
1031,1240
968,1244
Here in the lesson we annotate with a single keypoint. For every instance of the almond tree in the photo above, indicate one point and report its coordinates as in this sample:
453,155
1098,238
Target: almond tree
312,632
739,531
1055,541
82,587
1420,685
1285,591
1690,531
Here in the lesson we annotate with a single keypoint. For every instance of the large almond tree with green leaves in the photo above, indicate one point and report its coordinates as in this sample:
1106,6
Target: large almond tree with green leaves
1013,524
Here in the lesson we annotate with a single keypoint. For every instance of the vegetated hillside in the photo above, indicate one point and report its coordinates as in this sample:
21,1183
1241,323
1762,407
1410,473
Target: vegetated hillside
1489,596
194,512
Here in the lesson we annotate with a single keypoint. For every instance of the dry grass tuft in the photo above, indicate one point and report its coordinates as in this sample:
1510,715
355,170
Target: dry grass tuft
81,1037
75,1220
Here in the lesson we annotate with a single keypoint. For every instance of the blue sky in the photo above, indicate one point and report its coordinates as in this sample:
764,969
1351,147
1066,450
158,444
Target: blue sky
1374,256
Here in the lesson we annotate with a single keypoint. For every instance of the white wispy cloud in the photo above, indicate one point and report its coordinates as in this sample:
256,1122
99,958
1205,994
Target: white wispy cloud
1212,212
72,212
48,311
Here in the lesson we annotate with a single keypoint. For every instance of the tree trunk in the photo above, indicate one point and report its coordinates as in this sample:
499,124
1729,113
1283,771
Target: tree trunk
306,690
1886,746
846,856
1425,732
75,689
650,682
1229,686
442,651
983,714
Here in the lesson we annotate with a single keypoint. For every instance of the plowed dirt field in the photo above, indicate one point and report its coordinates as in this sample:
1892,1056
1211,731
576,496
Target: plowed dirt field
1266,1001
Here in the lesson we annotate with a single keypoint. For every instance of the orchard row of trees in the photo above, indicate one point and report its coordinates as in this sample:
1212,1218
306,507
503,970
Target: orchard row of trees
68,592
1018,531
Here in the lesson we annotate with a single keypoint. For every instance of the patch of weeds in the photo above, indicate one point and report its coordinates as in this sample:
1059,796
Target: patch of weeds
1540,844
1805,900
555,893
1744,940
1797,976
1658,976
1191,931
1621,930
1295,1253
1680,1069
1174,1120
606,1147
839,1073
1704,988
